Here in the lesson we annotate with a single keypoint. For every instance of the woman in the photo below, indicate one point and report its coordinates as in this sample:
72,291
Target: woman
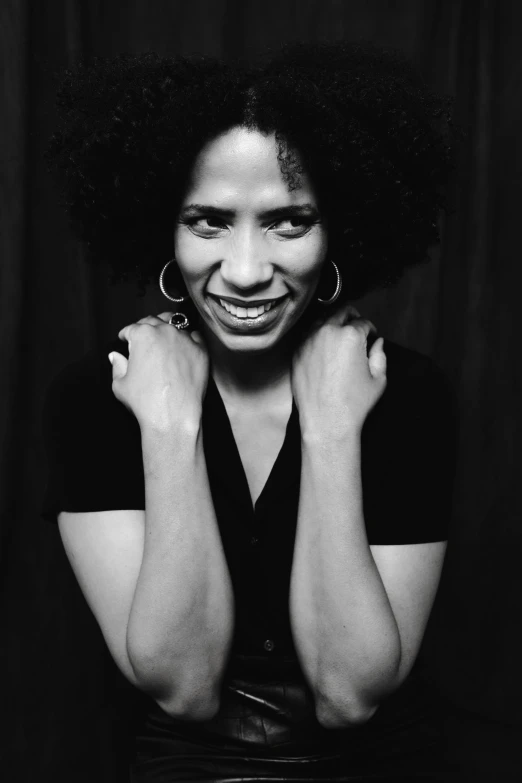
255,502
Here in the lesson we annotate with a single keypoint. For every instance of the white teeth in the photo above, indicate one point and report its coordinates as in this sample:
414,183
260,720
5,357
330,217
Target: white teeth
244,312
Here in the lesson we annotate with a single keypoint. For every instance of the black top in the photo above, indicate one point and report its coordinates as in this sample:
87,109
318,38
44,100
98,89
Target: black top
408,457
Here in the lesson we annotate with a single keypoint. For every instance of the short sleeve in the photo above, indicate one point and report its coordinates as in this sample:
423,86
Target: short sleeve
92,441
409,453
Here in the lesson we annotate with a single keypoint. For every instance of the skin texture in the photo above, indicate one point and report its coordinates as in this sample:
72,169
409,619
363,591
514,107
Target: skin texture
248,255
358,613
242,252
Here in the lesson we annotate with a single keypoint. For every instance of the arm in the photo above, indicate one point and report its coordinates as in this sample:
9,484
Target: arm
157,581
358,613
181,619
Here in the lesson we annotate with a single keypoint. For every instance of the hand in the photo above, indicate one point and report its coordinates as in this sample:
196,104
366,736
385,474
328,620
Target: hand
165,378
335,381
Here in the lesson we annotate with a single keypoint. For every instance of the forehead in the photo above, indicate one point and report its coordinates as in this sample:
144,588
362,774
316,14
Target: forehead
243,163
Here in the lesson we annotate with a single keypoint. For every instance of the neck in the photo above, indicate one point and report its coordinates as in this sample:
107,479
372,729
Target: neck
255,376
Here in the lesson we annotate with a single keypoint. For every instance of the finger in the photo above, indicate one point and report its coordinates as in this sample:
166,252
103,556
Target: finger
119,365
361,326
343,315
150,320
166,316
365,327
197,337
377,361
154,320
124,333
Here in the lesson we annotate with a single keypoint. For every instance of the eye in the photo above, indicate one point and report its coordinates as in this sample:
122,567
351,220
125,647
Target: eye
213,224
294,226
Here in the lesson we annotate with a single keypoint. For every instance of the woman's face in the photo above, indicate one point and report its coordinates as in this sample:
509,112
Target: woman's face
250,251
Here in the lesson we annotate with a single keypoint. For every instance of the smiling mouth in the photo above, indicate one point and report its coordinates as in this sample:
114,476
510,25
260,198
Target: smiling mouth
247,312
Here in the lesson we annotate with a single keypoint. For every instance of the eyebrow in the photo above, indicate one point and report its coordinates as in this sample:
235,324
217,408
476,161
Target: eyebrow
293,210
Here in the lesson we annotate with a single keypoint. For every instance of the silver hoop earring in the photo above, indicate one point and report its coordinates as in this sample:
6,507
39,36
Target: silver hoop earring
179,320
338,287
162,285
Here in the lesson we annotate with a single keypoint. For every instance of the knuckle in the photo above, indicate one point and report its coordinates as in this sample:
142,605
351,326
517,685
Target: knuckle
353,332
137,329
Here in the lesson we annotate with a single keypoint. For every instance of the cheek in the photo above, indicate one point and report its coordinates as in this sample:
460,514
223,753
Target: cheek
310,261
190,255
183,247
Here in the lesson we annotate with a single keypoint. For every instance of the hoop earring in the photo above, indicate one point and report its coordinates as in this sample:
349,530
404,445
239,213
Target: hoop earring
338,287
162,285
179,320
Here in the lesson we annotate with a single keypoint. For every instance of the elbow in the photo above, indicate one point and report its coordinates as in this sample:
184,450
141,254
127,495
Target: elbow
191,709
193,697
348,716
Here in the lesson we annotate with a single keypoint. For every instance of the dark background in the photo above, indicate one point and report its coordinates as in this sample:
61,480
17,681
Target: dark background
461,309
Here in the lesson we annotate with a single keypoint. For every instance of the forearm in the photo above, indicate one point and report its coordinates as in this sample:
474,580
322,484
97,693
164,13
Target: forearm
181,621
344,627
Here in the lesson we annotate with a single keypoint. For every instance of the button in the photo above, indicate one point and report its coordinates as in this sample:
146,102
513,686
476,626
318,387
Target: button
269,645
254,540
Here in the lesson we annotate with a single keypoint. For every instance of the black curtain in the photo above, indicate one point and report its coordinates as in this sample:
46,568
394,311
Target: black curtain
460,309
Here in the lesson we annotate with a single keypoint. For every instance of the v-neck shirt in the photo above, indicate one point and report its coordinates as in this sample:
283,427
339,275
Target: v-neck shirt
258,540
408,452
408,455
214,398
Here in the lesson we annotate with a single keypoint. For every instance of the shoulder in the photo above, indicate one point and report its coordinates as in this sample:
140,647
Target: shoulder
417,387
409,371
409,451
92,441
92,366
82,389
406,363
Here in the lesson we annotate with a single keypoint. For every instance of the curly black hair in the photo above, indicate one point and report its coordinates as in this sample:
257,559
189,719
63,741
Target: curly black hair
378,145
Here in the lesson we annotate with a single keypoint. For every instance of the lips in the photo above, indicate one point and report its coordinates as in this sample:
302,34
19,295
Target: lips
255,324
247,303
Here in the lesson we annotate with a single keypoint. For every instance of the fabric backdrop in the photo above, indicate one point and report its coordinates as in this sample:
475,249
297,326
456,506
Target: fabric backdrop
460,309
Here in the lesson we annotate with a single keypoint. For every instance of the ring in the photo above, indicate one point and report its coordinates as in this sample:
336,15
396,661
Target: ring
179,324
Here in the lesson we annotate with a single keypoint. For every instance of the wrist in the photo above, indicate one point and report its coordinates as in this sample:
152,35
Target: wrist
321,431
180,443
185,427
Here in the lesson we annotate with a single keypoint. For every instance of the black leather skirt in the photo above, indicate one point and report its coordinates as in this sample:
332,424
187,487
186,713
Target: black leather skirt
266,730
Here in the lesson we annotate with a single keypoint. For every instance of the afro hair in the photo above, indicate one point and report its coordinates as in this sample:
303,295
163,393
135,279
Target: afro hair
378,145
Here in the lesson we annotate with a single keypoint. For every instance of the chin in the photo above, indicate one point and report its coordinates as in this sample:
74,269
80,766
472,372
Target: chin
249,343
256,342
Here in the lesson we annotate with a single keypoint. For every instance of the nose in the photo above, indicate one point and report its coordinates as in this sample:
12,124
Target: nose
246,264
